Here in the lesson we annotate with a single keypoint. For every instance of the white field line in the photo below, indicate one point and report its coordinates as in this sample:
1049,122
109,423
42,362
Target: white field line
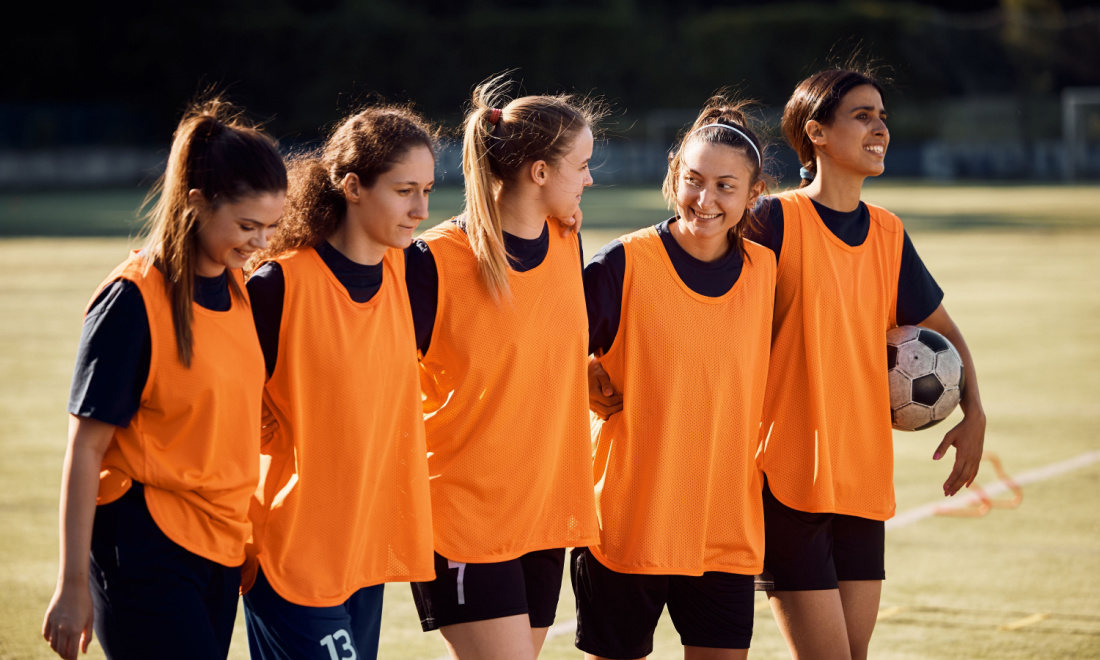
926,511
1039,474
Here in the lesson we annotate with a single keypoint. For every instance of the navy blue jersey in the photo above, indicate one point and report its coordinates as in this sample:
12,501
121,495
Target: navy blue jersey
112,361
266,288
422,277
604,275
918,293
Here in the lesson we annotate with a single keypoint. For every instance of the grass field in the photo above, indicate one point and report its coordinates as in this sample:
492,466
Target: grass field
1020,267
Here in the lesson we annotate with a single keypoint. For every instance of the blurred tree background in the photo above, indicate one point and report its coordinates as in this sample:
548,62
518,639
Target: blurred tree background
119,73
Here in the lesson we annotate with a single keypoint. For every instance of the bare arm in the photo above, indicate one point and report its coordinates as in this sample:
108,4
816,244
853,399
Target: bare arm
968,436
68,622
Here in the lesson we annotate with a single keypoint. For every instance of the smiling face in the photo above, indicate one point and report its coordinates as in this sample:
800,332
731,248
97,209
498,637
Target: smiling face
714,188
390,210
857,138
567,179
231,231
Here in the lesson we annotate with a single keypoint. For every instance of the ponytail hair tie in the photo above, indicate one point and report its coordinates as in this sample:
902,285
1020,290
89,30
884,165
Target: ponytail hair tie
805,174
494,116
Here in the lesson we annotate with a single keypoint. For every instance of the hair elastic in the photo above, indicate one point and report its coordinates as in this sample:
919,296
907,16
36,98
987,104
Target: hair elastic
759,158
805,174
494,116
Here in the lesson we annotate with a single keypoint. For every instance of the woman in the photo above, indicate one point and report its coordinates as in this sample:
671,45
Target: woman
847,273
504,398
680,315
343,503
165,411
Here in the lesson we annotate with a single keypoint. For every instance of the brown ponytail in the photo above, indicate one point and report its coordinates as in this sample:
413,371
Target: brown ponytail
368,144
722,108
494,153
216,152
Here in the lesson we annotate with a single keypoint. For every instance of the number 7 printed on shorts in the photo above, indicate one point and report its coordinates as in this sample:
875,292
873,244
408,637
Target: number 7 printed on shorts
329,642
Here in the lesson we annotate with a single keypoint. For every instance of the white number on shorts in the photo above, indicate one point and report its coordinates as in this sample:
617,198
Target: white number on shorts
329,643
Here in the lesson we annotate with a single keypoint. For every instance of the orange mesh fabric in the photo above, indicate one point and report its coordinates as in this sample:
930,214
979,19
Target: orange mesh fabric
343,500
828,444
195,439
506,401
678,487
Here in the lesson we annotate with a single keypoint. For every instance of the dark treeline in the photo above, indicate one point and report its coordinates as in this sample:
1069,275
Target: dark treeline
120,72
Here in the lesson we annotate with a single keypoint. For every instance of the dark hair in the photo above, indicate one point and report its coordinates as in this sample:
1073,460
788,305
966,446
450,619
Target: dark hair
218,153
501,137
722,108
368,144
816,99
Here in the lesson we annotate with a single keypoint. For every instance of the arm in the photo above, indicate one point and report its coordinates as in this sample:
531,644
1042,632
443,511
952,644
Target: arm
603,297
968,437
68,622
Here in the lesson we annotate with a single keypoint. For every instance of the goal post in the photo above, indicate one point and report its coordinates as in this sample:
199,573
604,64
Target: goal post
1075,132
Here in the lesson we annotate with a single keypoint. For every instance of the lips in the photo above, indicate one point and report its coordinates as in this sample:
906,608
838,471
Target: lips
706,216
877,149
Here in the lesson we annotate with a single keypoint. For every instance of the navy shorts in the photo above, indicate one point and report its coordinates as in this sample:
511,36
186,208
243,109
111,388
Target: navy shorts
618,612
813,551
153,598
281,630
462,593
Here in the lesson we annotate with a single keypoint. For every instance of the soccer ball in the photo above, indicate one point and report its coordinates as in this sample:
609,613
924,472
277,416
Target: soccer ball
926,377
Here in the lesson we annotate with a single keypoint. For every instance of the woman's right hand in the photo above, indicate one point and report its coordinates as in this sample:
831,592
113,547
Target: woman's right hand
68,623
602,397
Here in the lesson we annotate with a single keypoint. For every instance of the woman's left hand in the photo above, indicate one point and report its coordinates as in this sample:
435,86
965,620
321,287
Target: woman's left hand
968,438
571,224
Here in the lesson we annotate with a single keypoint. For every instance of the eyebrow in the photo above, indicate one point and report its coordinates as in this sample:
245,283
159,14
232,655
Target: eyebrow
867,107
720,176
413,183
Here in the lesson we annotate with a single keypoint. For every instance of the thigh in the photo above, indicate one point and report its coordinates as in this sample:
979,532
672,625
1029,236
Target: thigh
798,548
365,609
859,548
616,612
463,593
542,573
812,623
152,597
281,630
713,610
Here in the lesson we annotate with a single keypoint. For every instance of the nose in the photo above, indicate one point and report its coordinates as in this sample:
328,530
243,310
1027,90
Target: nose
419,210
704,198
880,127
261,238
588,178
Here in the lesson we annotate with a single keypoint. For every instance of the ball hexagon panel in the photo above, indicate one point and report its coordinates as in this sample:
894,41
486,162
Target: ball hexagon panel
949,368
947,403
901,334
912,416
900,393
915,359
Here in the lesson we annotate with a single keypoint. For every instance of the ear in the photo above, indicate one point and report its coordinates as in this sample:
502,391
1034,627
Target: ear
540,172
754,194
196,199
815,130
350,186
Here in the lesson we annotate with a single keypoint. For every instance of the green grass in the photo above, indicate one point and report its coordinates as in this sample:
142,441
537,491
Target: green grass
1021,280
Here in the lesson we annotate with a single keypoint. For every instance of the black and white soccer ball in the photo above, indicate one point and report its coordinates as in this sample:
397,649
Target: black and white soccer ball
926,377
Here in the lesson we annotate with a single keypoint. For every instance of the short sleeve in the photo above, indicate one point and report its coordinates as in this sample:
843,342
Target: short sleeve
603,295
266,290
768,228
918,293
422,281
112,361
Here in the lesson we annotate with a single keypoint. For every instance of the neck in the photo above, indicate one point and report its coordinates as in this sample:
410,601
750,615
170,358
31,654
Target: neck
835,188
705,248
354,243
521,214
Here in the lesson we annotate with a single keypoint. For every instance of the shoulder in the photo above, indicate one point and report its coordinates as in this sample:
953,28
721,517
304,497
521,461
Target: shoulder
610,254
884,218
118,297
447,231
